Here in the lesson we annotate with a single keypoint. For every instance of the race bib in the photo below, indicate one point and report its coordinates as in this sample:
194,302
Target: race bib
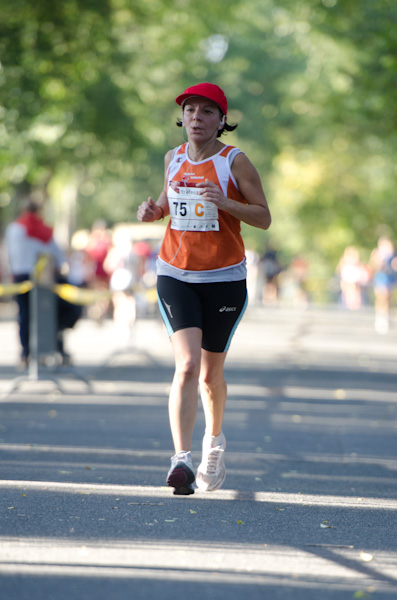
188,211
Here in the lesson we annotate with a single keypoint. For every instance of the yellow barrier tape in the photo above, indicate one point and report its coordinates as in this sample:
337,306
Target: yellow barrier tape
81,296
151,295
40,266
10,289
73,294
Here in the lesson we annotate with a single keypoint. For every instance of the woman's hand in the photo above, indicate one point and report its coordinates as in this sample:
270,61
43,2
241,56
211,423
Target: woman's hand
213,193
149,211
255,211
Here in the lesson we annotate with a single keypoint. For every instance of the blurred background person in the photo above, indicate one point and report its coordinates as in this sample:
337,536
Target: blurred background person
81,266
353,276
293,283
271,269
98,245
123,266
383,262
27,238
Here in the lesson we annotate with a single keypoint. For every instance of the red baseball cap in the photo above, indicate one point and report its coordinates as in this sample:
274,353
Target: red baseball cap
205,90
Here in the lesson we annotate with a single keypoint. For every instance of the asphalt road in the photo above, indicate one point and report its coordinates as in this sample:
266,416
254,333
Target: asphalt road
308,510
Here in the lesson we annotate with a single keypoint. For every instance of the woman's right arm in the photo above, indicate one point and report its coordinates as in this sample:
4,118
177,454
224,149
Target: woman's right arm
150,210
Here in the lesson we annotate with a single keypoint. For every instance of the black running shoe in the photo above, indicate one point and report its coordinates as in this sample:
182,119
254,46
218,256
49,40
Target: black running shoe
181,476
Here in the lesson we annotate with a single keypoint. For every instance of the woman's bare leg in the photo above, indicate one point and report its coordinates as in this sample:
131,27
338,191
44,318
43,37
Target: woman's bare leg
213,390
183,401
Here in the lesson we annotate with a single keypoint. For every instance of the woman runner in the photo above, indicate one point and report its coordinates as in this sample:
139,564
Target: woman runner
209,188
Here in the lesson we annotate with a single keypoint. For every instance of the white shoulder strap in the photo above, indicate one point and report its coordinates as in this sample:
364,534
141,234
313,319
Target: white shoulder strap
174,152
232,155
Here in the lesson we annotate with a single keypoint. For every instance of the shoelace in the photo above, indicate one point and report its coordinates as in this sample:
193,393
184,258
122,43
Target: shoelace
181,457
213,457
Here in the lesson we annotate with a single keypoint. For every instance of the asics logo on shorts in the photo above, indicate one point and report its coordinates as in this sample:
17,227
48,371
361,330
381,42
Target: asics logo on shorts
228,308
168,307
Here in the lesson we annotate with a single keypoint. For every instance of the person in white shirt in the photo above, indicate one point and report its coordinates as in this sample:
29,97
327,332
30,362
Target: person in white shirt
27,238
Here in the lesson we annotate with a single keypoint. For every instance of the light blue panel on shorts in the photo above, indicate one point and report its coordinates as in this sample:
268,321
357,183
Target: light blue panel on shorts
165,318
236,324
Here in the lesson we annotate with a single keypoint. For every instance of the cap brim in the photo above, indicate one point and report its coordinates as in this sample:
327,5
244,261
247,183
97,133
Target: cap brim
181,99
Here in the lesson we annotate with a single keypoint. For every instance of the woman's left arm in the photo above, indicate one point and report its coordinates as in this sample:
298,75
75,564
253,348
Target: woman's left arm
256,212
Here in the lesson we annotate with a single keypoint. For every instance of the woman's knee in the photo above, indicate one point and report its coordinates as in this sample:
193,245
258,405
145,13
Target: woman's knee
212,378
188,369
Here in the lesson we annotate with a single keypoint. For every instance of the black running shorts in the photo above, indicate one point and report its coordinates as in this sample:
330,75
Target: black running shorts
215,308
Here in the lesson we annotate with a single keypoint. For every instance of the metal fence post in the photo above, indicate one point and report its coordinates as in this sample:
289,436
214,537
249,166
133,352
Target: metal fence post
43,328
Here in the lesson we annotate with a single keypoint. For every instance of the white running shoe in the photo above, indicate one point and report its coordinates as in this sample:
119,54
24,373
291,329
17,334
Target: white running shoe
211,472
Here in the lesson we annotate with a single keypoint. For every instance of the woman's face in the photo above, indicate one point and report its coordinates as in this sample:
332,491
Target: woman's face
201,118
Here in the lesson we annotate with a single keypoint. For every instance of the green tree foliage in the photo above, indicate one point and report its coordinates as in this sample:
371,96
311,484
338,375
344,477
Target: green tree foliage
87,107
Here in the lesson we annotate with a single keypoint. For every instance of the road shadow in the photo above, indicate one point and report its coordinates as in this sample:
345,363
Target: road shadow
292,433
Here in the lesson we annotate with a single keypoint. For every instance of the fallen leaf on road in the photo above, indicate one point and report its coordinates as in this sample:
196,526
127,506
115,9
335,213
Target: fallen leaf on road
365,556
326,525
193,512
240,523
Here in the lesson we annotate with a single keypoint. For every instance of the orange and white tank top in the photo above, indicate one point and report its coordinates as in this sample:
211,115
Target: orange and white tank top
199,237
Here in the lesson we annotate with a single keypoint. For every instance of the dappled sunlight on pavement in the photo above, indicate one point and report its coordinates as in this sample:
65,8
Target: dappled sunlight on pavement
309,505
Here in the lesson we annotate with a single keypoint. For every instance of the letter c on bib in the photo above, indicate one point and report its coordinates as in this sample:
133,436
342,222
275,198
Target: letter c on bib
199,210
